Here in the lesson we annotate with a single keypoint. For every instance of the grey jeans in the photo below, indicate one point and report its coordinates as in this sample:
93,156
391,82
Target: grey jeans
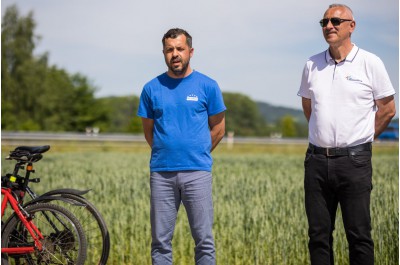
168,191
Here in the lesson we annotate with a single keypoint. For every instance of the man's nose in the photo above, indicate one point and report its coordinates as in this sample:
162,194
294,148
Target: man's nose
329,25
175,52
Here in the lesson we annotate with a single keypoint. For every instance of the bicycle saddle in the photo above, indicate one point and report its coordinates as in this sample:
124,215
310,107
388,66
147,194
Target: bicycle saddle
33,149
28,153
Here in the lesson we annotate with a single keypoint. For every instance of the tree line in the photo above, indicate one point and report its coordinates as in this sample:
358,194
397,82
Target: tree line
37,96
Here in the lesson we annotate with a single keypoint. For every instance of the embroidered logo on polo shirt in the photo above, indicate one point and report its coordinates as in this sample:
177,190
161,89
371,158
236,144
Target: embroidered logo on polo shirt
192,97
352,78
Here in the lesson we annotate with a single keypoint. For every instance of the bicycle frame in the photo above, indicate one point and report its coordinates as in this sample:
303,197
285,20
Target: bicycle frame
32,229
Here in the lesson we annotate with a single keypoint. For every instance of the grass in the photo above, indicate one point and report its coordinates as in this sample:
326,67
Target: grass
258,201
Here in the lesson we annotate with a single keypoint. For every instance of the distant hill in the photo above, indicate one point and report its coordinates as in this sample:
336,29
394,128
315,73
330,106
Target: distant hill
272,114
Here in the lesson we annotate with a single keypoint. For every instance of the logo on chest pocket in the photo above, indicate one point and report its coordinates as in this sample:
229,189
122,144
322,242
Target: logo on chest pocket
354,78
192,97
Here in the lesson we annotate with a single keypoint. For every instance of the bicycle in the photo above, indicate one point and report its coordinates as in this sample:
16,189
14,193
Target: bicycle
41,233
94,226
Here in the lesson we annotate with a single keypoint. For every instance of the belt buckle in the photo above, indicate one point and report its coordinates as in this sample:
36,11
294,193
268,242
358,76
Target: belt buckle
327,152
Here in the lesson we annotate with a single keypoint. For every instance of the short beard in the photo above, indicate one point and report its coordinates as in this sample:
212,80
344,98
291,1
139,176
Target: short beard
181,71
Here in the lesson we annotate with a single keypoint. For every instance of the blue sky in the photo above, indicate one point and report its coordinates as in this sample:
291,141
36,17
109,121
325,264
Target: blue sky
253,47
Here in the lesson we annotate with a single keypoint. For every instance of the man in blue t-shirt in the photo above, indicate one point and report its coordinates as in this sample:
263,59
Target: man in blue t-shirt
183,116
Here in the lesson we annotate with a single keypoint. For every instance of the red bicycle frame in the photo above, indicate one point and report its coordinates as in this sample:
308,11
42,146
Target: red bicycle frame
30,226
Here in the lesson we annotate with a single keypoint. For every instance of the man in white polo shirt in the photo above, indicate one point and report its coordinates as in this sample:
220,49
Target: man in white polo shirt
348,100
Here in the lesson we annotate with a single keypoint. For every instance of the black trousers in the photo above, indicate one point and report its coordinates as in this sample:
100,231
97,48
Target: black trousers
333,180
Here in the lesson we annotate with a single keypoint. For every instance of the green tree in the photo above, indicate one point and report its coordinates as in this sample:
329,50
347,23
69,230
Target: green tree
17,44
243,116
36,96
121,112
288,126
301,129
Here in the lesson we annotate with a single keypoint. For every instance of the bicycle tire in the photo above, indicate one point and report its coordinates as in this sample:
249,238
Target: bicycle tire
64,240
92,223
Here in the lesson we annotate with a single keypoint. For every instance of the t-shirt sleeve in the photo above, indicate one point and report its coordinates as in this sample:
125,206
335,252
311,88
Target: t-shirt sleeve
145,109
216,102
381,85
304,90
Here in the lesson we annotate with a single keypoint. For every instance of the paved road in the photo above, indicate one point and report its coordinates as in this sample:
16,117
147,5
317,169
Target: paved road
70,136
14,137
44,136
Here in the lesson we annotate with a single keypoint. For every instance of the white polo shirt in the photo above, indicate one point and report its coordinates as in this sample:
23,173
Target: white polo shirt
343,97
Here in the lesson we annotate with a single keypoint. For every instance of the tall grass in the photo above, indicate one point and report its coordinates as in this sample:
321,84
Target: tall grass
258,202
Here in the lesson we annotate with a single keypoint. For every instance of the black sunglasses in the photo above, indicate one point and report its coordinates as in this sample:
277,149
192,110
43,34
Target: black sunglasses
334,20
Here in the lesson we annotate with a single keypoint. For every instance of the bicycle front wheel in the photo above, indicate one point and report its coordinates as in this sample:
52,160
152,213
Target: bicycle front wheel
94,226
64,241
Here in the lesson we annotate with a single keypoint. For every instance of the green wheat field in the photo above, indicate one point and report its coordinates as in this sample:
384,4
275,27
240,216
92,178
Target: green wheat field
258,201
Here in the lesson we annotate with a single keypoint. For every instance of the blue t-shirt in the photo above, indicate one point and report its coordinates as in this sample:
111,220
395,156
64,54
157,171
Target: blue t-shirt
180,109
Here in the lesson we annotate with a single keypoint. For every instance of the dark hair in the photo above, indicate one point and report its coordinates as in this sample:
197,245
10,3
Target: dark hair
173,33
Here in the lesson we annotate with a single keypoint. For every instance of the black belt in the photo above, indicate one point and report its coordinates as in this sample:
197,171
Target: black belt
362,149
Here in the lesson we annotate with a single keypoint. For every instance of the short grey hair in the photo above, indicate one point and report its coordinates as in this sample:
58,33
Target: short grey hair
344,6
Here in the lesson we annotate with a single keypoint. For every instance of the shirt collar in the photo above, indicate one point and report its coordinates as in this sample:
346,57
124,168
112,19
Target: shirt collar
349,58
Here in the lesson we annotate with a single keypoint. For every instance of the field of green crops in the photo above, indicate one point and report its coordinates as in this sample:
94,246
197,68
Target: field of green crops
258,201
